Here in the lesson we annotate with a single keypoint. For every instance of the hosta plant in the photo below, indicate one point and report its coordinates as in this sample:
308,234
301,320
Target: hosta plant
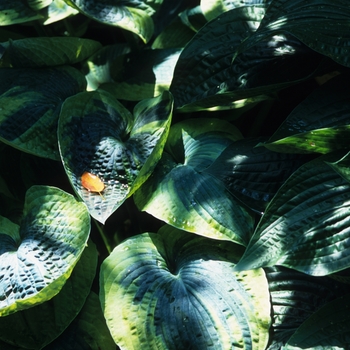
174,175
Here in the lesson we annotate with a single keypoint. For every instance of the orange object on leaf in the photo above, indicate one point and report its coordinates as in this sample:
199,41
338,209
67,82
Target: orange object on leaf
92,182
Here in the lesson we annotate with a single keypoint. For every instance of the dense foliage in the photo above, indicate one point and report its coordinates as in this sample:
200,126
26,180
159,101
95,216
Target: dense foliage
174,174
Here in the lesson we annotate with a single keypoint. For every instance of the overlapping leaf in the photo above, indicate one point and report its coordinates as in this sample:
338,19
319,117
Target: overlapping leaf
30,101
295,297
39,325
98,135
50,51
57,11
205,75
321,123
134,16
182,194
253,174
174,290
38,256
328,328
306,225
16,11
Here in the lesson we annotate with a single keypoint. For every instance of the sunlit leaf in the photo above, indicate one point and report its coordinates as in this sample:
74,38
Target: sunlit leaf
99,136
321,123
16,11
134,16
182,194
306,225
48,320
57,11
38,256
174,290
30,101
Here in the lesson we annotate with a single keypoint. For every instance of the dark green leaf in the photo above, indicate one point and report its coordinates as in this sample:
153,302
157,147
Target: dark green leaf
205,75
327,328
174,290
182,194
57,11
306,225
30,101
253,174
98,135
53,51
38,256
40,325
321,123
16,11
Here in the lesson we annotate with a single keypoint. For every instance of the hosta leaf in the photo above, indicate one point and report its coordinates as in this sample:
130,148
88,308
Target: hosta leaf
306,225
320,24
180,193
87,331
321,123
39,4
327,328
16,11
38,256
40,325
214,8
30,101
98,135
295,297
205,75
174,290
57,11
140,77
53,51
253,174
133,16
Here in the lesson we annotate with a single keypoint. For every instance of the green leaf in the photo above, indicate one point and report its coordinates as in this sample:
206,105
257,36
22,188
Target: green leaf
134,16
295,297
143,76
38,256
328,328
182,194
306,225
174,290
52,51
57,11
205,76
98,135
39,325
321,123
253,174
320,24
39,4
30,101
16,11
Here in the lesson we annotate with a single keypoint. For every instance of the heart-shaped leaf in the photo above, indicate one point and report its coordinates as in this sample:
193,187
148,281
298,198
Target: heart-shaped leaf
30,101
327,328
321,123
174,290
38,256
39,325
52,51
253,174
182,194
99,136
306,225
134,16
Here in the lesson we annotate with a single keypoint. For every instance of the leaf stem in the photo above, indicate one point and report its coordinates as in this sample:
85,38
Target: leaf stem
104,237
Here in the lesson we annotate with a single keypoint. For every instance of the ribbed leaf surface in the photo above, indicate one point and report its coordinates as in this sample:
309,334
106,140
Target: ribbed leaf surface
174,290
38,256
306,226
182,194
98,135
